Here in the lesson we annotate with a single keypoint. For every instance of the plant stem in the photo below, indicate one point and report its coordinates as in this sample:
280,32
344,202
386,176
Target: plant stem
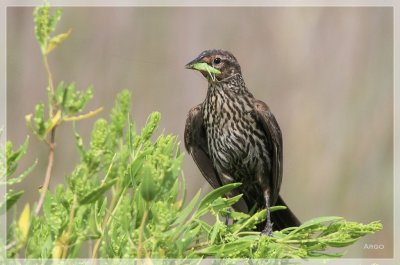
113,206
11,245
141,227
70,226
98,241
51,85
53,110
201,244
49,170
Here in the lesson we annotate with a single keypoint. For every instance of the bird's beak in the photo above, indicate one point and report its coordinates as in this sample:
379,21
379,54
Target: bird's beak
192,64
189,66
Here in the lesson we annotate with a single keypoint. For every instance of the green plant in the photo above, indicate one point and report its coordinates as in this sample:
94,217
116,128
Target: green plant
125,197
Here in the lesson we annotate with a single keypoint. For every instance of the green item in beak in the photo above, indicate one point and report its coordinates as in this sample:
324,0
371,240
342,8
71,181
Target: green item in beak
206,68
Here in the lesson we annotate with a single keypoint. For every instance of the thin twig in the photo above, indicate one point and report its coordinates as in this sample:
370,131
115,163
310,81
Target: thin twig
51,84
115,201
201,244
49,170
53,107
141,227
70,226
11,245
105,220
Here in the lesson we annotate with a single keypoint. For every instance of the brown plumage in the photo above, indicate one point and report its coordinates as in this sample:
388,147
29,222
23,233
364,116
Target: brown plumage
234,137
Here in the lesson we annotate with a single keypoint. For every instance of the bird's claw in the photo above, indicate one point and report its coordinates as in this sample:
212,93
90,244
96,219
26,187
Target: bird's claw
267,231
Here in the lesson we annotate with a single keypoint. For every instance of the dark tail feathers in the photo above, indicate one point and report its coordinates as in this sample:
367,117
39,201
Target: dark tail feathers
283,218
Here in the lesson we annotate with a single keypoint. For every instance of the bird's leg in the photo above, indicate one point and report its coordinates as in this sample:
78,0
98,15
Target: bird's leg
228,215
268,226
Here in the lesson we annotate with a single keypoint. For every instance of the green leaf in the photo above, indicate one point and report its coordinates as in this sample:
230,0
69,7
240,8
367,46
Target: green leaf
12,157
205,68
174,194
80,99
47,248
39,121
24,222
151,125
94,226
225,249
57,40
184,189
340,243
238,215
223,203
11,198
54,19
59,93
187,237
277,208
205,226
79,143
45,24
149,187
68,97
97,193
188,209
216,230
99,213
41,18
212,196
320,220
139,207
21,177
310,224
119,114
137,165
251,222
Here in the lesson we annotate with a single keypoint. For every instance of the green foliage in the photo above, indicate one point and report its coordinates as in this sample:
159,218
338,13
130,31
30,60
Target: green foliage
311,239
126,198
11,159
64,101
45,24
126,194
68,102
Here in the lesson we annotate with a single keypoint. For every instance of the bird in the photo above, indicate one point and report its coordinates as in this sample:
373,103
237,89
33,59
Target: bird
234,137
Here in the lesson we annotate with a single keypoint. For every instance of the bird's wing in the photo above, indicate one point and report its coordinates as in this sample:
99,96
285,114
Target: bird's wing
196,144
274,139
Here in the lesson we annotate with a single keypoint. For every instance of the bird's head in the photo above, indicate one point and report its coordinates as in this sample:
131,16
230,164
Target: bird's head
216,65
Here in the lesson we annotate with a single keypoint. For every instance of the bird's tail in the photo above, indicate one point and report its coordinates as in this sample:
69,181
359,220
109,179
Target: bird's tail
283,218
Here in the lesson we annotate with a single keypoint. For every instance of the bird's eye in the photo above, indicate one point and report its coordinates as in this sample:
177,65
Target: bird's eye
217,60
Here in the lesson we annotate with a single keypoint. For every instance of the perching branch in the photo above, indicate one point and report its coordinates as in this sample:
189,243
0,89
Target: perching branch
52,144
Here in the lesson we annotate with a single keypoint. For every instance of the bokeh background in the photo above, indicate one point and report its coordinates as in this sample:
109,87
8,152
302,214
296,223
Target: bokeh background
326,73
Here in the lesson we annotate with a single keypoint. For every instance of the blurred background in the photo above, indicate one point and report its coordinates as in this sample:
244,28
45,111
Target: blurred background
326,73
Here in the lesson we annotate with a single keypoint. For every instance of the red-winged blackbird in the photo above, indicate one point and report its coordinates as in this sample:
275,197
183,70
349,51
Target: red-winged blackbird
234,137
